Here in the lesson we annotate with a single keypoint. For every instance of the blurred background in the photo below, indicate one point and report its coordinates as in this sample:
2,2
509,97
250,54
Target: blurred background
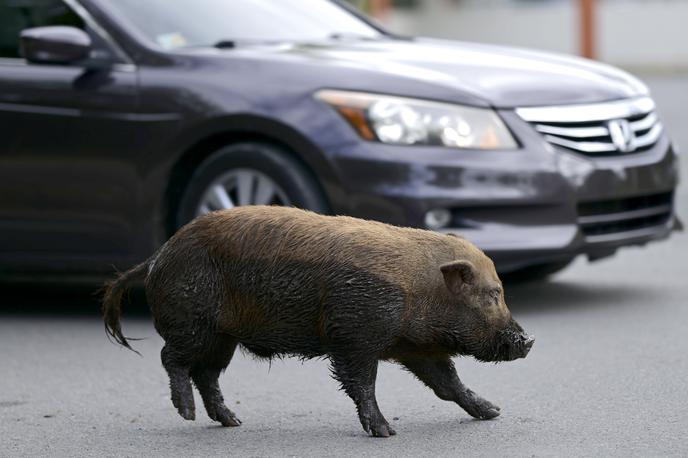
607,376
638,35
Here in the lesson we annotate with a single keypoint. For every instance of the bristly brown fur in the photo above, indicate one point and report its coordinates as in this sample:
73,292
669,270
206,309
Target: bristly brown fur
286,282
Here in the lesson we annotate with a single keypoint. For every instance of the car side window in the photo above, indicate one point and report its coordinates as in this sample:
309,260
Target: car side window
17,15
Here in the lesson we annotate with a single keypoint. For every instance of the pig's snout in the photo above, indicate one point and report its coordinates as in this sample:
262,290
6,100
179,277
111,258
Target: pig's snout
528,342
521,345
514,345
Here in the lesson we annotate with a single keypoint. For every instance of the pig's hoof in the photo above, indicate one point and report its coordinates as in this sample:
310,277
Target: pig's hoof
488,414
482,409
230,422
223,415
187,413
227,418
382,430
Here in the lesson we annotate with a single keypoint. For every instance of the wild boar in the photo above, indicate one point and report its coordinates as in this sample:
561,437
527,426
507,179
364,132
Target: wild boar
282,281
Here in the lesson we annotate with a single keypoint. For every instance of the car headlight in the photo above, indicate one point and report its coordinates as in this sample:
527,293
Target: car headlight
405,121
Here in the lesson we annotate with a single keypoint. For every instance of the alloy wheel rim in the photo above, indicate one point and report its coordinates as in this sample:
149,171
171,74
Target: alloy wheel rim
240,187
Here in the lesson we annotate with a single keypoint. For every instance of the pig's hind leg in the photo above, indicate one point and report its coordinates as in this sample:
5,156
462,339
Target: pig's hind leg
357,376
440,375
205,376
177,368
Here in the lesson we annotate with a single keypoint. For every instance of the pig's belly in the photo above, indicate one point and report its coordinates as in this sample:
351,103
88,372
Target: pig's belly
269,320
280,331
269,346
293,307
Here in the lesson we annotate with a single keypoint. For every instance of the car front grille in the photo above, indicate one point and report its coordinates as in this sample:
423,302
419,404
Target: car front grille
602,221
604,129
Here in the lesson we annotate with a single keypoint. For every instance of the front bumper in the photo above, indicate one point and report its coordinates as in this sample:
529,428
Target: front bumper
514,246
533,205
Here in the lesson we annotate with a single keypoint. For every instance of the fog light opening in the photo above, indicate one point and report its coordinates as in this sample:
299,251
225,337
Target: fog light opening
438,218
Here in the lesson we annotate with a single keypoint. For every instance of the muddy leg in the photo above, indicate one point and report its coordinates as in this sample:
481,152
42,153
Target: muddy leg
441,377
180,383
206,380
205,376
358,381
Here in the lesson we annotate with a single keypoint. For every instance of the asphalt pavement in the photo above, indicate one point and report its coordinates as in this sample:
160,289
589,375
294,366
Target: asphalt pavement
608,375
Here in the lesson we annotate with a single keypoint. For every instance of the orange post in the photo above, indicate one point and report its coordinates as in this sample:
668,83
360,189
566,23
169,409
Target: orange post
379,8
588,36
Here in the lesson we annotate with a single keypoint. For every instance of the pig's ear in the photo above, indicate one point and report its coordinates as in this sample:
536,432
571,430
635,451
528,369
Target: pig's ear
458,273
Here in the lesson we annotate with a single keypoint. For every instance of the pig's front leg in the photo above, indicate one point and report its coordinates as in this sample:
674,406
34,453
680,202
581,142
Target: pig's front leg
357,376
441,377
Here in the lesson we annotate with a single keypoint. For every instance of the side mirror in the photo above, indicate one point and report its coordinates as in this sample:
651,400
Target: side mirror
55,45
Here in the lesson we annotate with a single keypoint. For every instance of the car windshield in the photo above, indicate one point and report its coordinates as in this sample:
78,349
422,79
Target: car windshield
175,24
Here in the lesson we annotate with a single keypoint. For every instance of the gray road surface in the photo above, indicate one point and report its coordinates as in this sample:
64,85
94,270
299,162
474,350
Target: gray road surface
608,375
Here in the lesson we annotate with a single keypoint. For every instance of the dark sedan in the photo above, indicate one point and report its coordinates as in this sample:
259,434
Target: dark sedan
122,120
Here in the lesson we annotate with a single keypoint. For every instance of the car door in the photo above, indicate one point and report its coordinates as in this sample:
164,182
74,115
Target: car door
69,149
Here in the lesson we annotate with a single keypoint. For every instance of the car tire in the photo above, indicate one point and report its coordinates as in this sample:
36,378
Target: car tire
296,185
537,272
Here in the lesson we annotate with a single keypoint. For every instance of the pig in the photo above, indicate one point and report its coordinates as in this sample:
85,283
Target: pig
281,281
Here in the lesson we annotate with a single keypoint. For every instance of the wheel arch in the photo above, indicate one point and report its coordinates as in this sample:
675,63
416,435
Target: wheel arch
212,136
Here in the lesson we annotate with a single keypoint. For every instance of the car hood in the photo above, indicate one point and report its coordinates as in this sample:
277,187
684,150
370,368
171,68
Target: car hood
503,77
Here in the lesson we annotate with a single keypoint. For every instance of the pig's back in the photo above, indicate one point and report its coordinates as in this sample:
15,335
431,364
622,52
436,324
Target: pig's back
293,279
278,235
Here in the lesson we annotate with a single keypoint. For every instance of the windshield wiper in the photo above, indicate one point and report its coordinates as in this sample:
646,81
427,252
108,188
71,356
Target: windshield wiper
225,44
341,36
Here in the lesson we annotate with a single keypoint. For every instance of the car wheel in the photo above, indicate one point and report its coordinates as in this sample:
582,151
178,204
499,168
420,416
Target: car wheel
249,174
536,272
